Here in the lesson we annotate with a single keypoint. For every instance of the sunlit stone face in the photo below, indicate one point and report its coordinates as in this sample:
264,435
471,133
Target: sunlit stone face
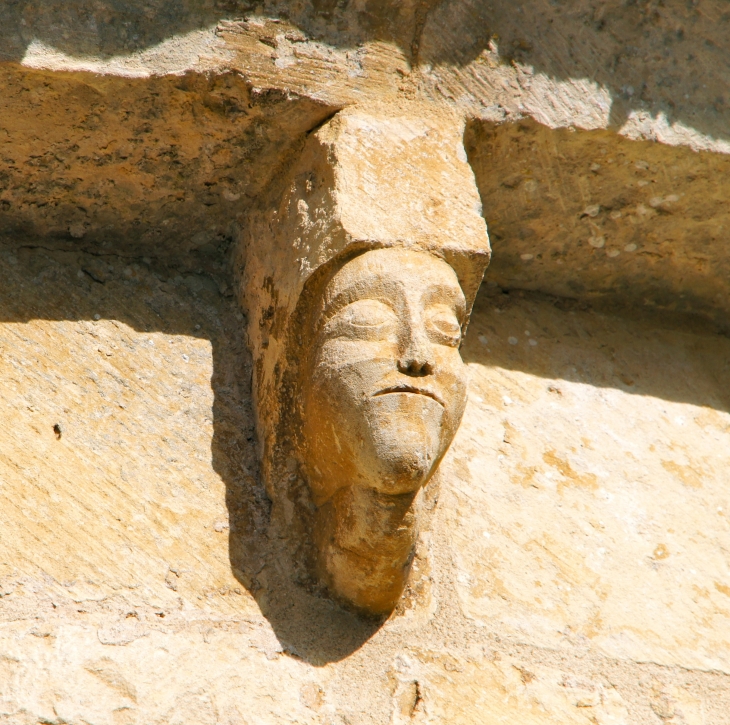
386,387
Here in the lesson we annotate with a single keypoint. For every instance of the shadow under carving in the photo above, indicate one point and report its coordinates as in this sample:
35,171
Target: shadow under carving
159,297
604,345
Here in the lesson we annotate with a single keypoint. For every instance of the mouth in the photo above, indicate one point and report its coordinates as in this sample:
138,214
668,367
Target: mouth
410,389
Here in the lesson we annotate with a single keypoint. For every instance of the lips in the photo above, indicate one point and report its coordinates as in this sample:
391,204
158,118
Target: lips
404,388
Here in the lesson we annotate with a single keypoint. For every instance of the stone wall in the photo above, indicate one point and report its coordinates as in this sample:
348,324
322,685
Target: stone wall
574,565
573,570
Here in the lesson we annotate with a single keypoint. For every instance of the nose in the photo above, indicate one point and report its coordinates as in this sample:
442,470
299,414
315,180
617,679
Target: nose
415,367
416,359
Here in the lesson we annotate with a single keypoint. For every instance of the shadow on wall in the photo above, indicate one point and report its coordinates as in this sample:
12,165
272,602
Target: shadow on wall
678,358
169,164
119,27
667,57
61,285
53,285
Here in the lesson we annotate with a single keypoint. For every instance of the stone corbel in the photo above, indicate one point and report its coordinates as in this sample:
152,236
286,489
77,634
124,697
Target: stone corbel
358,271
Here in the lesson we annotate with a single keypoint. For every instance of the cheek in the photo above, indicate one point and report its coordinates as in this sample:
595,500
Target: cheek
335,354
449,363
451,373
345,372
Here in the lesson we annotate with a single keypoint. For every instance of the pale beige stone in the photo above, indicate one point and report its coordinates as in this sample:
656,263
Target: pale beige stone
155,509
189,115
571,565
433,687
604,520
381,394
603,218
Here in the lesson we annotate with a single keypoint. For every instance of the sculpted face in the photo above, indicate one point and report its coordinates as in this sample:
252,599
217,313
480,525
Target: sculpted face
385,389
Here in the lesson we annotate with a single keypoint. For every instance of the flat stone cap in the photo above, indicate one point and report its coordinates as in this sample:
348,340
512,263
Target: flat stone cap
405,181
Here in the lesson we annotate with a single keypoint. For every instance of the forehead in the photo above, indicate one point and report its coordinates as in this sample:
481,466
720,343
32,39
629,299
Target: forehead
384,267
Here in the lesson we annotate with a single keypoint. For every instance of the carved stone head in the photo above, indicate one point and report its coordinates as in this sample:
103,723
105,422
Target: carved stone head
358,290
382,395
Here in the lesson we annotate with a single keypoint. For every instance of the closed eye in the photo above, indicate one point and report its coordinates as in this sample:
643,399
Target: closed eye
367,313
445,324
366,319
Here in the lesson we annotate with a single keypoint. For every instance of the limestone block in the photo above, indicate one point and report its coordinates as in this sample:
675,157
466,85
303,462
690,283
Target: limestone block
173,126
573,565
604,521
584,214
433,687
364,180
85,404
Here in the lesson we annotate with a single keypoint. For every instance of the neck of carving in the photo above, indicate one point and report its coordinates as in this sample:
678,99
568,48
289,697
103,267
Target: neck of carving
365,542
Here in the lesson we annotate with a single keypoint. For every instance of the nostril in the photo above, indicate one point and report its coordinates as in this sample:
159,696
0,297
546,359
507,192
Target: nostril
416,368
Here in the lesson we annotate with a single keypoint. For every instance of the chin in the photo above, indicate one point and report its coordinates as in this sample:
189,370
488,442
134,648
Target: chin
405,473
406,435
408,464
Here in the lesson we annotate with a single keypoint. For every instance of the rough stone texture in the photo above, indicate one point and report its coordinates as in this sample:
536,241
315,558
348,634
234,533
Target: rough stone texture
248,80
364,180
356,403
642,68
605,520
583,214
140,578
117,174
139,583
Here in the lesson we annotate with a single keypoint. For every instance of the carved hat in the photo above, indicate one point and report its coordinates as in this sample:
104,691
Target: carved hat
364,180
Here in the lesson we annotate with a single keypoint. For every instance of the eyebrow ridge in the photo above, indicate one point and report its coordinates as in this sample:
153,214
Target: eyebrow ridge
348,295
454,293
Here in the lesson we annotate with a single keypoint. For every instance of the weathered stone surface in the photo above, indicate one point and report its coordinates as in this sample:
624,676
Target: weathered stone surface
118,175
140,583
244,83
367,179
574,566
357,270
584,214
604,522
83,399
643,69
